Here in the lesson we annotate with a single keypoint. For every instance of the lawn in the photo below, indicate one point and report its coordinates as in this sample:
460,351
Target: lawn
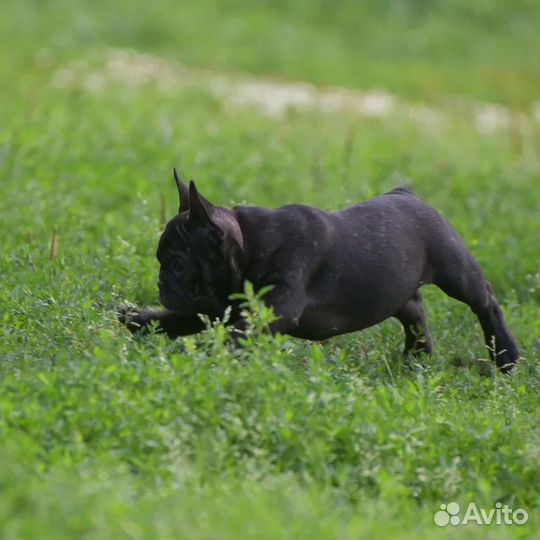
107,436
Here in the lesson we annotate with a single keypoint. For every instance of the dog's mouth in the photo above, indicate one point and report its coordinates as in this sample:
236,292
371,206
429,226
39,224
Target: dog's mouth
179,306
203,305
170,303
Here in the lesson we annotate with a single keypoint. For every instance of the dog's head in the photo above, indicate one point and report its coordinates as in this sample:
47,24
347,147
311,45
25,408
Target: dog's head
200,252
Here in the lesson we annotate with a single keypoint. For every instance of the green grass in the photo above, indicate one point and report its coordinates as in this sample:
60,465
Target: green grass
106,436
425,49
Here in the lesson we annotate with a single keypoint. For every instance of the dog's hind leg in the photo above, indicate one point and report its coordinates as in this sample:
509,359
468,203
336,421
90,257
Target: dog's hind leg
459,276
413,319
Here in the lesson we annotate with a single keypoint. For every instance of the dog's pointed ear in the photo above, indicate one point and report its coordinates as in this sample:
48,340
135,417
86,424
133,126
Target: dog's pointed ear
200,210
183,192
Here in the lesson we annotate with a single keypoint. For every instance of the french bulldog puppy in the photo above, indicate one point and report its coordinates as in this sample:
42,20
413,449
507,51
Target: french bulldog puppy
331,272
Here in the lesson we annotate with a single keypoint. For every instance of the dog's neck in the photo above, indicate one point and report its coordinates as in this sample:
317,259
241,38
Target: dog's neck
228,223
234,244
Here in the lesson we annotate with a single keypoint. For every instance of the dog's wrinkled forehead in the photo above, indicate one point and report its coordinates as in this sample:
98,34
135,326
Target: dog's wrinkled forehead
174,236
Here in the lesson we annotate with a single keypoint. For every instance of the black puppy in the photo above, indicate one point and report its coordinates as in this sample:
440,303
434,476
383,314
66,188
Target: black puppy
331,272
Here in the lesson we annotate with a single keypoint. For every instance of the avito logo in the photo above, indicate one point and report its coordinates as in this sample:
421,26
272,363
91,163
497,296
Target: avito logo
500,515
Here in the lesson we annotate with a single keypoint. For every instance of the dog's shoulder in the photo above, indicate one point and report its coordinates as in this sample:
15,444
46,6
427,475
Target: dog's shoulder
402,190
286,212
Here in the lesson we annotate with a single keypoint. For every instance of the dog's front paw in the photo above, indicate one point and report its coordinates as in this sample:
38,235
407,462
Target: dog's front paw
133,319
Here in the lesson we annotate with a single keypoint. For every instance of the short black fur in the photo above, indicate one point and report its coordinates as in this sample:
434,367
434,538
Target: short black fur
331,272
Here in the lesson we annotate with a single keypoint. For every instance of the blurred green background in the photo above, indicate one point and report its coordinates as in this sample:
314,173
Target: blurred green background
423,49
318,102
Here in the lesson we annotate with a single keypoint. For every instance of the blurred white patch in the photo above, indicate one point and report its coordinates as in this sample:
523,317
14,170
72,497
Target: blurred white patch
426,116
491,118
136,69
126,67
273,99
270,97
94,82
